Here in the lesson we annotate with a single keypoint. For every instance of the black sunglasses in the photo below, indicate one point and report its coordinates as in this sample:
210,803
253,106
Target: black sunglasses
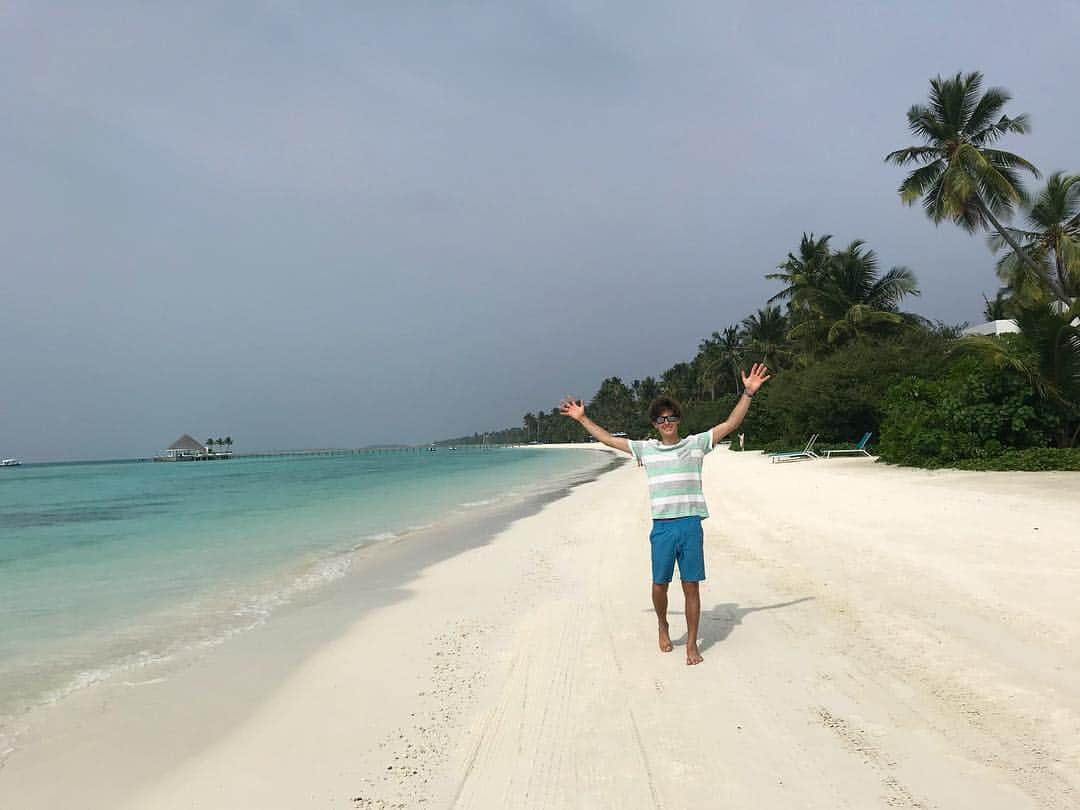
661,419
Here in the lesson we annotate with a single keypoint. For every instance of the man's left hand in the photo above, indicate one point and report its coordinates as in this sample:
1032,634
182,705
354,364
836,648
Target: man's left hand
758,377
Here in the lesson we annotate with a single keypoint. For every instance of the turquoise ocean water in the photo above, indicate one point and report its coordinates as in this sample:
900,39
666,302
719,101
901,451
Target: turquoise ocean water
105,567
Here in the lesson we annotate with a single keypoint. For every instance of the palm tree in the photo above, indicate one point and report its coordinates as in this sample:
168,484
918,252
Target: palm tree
679,382
532,425
210,445
228,443
645,391
960,177
849,299
1053,241
707,365
765,334
722,355
798,272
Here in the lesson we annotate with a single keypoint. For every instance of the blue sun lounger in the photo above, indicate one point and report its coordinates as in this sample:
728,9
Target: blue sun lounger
859,448
796,455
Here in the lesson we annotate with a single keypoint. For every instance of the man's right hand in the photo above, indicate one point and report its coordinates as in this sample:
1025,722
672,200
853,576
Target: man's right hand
574,408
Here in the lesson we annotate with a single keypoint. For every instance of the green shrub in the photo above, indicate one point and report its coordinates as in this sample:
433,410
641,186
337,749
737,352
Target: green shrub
840,396
974,412
1032,459
701,416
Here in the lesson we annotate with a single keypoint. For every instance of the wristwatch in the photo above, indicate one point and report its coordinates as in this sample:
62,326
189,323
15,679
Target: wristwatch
747,394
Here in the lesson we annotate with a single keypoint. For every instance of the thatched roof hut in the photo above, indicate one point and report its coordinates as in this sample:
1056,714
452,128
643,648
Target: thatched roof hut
188,444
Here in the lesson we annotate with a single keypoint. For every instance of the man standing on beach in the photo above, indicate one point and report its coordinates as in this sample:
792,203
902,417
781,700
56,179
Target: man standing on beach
673,468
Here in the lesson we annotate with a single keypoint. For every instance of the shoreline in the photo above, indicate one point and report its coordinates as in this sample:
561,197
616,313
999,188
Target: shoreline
132,705
873,636
215,611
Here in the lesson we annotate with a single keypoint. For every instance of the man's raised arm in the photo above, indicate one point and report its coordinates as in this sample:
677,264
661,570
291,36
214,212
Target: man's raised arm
751,384
575,409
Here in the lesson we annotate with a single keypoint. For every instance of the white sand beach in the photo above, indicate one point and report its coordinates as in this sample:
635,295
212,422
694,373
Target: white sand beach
873,637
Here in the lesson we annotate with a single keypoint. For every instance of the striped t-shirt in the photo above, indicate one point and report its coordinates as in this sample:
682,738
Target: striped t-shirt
674,473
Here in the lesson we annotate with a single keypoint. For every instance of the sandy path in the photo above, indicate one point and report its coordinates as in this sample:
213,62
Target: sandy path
873,637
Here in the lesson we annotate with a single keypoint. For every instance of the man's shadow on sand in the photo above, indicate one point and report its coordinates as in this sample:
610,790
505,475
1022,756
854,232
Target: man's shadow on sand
717,623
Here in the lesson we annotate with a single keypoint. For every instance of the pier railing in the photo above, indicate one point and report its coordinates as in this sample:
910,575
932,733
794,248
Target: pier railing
378,451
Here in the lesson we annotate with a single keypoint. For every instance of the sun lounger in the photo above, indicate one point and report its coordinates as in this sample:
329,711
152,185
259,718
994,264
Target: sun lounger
796,455
859,448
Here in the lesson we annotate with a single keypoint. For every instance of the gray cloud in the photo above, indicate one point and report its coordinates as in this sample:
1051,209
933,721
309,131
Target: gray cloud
359,223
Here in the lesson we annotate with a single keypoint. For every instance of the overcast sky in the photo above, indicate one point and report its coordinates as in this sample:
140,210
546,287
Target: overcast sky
319,224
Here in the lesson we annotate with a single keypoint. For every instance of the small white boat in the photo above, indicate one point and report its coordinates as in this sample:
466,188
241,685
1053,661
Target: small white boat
9,462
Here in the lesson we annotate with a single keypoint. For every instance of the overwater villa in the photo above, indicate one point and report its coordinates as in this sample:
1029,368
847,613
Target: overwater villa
188,449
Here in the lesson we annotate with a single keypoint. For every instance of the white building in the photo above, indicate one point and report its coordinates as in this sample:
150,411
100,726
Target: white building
993,328
184,449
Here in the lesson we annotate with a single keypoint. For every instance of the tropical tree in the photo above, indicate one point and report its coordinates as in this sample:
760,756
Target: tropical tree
210,445
719,360
679,381
765,335
613,405
801,271
228,443
1052,241
961,177
645,391
1047,352
708,365
558,429
998,309
849,299
531,425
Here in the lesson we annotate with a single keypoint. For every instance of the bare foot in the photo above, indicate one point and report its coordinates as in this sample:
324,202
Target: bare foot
692,655
665,639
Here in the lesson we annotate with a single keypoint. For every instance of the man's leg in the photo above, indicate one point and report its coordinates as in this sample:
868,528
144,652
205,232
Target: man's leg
659,602
691,557
693,614
663,566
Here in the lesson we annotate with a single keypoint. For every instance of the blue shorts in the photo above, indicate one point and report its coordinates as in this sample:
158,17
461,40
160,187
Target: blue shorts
677,539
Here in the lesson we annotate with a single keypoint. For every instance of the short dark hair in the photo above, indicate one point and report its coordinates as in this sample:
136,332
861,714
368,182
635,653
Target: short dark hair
664,404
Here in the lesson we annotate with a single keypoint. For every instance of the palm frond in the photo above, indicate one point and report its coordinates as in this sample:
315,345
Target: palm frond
985,111
1002,354
1020,125
892,287
997,198
1001,159
996,242
934,201
957,190
1067,362
920,181
1058,203
997,181
916,321
968,99
910,154
858,319
923,123
944,101
1025,285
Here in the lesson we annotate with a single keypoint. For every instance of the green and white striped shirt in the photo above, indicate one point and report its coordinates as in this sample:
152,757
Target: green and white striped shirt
674,473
